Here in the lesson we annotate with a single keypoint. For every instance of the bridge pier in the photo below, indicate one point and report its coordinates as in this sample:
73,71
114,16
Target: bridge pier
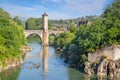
45,41
45,29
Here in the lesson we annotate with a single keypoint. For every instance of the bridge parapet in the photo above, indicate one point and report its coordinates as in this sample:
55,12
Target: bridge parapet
29,32
55,32
40,32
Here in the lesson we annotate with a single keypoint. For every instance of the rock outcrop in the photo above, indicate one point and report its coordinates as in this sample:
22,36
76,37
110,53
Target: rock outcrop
11,63
104,62
88,69
104,67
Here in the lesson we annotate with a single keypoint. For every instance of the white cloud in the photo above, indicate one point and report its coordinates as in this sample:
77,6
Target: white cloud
85,6
23,11
66,9
57,15
22,8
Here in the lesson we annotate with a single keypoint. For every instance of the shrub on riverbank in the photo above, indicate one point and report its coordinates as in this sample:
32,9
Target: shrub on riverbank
11,37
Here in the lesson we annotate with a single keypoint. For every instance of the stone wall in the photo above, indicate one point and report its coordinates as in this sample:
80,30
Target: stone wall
111,52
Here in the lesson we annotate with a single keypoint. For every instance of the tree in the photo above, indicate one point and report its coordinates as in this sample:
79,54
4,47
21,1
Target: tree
112,22
18,21
34,23
73,29
11,37
4,14
63,39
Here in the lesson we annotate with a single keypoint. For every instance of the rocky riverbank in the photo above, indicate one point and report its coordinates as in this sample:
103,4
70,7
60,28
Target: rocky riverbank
10,63
26,49
104,62
104,68
15,62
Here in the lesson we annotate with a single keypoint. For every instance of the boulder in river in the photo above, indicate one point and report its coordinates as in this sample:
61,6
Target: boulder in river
36,65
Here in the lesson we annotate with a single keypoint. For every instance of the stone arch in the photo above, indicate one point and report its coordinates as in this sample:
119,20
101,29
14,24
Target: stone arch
52,34
33,34
51,40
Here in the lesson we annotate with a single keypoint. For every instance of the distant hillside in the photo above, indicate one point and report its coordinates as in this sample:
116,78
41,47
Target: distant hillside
36,23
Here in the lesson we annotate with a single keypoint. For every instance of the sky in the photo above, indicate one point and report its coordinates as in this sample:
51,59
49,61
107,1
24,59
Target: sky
56,9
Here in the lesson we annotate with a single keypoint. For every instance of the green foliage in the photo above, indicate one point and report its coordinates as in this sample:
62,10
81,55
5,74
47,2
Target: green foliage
18,21
34,38
34,23
49,25
112,22
4,14
73,29
11,74
84,58
51,38
89,39
11,37
72,49
63,39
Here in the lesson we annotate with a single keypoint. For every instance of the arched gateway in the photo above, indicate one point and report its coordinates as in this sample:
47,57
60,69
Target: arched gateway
44,34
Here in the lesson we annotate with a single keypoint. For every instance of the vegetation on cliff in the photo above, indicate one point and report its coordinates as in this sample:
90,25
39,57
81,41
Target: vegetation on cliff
103,31
11,37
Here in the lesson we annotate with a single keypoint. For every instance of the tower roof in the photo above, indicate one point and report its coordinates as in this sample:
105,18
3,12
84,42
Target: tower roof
45,14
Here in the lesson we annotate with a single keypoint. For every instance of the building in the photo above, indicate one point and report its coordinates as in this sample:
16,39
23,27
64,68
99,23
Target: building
83,22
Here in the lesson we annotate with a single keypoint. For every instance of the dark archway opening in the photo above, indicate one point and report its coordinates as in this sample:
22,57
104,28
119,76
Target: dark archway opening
34,38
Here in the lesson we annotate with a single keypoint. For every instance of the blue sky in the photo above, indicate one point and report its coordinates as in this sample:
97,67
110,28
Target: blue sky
56,9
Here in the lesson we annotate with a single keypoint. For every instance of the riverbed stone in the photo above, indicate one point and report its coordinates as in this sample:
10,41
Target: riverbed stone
36,65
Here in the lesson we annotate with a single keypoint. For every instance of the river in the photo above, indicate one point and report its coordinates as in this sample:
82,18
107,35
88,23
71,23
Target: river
57,69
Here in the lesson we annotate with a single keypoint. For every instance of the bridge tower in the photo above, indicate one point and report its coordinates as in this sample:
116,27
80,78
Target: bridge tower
45,29
45,41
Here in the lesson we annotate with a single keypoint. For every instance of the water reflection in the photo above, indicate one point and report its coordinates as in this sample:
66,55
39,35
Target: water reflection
10,74
45,58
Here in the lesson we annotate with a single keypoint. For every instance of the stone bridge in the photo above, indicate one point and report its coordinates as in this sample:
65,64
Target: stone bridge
44,33
40,32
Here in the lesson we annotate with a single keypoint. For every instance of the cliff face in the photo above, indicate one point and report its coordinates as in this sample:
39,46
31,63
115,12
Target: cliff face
104,62
105,68
111,52
109,68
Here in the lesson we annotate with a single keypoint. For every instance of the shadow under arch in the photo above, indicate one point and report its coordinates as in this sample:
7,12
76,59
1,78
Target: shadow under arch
33,37
52,36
